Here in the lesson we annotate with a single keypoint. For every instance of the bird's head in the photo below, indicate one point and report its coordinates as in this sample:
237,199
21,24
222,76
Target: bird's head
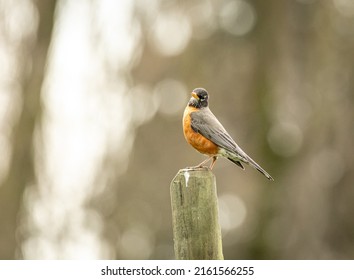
199,98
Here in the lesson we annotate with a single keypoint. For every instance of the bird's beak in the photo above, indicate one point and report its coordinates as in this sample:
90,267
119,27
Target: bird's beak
195,95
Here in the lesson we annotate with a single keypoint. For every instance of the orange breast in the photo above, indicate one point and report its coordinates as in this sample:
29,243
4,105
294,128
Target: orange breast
198,141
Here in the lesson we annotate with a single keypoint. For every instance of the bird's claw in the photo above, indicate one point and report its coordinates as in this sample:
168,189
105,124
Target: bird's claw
198,167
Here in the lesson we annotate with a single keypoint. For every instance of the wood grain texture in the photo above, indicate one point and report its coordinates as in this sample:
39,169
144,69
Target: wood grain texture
195,218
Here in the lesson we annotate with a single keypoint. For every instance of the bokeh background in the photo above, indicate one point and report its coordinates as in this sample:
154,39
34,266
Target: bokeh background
92,94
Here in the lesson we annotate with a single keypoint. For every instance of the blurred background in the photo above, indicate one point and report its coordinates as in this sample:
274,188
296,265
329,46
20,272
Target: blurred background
92,94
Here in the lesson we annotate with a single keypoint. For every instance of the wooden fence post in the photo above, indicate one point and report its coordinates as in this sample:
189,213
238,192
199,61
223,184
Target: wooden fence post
195,218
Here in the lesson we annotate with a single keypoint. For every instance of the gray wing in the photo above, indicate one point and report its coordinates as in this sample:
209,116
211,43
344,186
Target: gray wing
205,123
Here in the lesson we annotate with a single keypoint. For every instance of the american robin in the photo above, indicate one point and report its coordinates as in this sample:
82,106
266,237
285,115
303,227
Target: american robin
207,135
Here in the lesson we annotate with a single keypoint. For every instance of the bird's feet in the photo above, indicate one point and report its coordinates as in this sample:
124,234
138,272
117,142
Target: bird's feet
203,167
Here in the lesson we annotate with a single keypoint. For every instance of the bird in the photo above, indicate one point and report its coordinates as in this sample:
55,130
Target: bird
203,131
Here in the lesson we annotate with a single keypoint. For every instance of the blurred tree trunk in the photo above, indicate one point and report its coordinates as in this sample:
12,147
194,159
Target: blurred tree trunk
21,171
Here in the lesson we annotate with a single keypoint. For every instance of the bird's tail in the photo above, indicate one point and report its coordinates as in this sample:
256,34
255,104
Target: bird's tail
240,156
260,169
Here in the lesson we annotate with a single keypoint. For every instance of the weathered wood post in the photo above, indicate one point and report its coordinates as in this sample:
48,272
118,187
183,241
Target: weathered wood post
195,217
